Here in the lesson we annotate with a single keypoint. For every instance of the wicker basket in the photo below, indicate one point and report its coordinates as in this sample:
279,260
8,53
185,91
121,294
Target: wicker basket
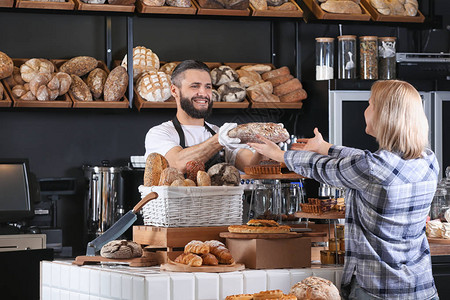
179,206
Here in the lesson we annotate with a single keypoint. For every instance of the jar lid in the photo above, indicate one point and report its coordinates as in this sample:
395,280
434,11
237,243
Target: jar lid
346,37
368,37
325,39
388,38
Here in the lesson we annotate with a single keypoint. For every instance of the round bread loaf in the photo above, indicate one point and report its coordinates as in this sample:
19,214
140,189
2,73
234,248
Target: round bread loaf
80,65
154,86
231,92
192,167
34,66
6,65
224,174
121,249
222,75
169,175
144,59
315,288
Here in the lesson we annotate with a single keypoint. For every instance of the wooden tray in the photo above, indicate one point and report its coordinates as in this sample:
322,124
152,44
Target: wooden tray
376,16
233,235
99,103
68,5
6,3
61,101
146,9
325,215
6,102
80,5
278,13
177,267
280,105
144,261
220,12
319,13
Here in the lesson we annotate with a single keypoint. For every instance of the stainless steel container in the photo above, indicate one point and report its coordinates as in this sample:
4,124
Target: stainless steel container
104,204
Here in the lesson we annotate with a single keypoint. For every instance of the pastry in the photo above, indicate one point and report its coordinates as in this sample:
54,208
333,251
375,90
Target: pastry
96,82
248,132
197,247
116,84
154,86
222,75
6,65
231,92
34,66
259,226
240,297
192,167
272,294
80,65
189,259
220,251
209,259
224,174
144,59
121,249
315,288
154,166
169,175
203,179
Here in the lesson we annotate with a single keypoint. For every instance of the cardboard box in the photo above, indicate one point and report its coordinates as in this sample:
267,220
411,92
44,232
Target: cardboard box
271,253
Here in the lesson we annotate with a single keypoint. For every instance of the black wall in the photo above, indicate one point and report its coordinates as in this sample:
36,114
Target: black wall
59,141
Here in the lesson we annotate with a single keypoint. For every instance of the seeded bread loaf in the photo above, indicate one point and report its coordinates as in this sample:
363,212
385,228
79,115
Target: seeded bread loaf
6,65
79,89
80,65
96,82
248,132
116,84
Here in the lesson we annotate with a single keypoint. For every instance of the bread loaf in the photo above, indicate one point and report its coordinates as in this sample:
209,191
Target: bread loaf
121,249
249,78
96,82
168,68
154,86
80,65
381,6
154,2
209,259
116,84
40,89
248,132
6,65
144,59
154,166
34,66
2,91
22,92
15,78
169,175
315,288
79,89
197,247
189,182
275,73
341,7
257,96
62,82
224,174
231,92
288,6
203,179
287,87
179,3
178,182
220,251
222,75
294,96
215,96
259,68
189,259
192,167
280,79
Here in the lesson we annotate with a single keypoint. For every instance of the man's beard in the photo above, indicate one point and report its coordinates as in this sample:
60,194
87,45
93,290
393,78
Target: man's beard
188,106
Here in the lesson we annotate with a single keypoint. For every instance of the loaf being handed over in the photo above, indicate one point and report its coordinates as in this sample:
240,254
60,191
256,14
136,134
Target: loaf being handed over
247,133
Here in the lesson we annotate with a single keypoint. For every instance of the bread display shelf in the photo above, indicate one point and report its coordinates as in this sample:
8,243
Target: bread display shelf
233,235
67,5
147,9
376,16
325,215
278,13
80,5
6,3
280,105
219,11
319,13
99,103
177,267
290,175
6,102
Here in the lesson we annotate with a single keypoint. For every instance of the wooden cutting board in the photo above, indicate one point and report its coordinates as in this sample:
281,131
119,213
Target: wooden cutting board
177,267
143,261
233,235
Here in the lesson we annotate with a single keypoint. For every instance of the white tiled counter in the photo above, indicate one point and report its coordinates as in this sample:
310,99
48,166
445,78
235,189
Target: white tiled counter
60,280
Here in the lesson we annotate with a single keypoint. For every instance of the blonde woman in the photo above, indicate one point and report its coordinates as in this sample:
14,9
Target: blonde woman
388,195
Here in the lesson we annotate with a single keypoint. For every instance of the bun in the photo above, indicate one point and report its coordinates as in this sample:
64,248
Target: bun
23,92
197,247
192,167
116,84
169,175
96,82
203,179
6,65
154,166
209,259
121,249
189,182
189,259
315,288
220,251
80,65
247,132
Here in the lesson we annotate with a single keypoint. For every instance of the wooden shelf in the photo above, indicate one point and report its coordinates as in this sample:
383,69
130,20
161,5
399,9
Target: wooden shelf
290,175
277,105
80,5
67,5
6,3
325,215
376,16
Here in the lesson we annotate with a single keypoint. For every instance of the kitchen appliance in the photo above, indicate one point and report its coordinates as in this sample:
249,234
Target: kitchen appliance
423,65
104,198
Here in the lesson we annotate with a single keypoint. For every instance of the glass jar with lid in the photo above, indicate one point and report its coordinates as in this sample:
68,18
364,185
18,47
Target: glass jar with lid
386,58
368,55
346,57
324,58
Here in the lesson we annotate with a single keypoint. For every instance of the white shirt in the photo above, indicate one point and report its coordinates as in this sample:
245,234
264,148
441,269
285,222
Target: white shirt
163,137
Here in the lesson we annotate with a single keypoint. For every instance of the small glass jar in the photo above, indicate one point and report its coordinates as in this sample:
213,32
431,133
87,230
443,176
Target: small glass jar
386,58
327,257
346,57
324,58
368,55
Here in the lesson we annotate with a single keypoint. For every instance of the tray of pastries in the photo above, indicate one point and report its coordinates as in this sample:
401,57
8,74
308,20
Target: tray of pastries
257,228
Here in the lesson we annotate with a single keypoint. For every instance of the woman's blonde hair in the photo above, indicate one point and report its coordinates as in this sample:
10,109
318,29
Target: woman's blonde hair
400,123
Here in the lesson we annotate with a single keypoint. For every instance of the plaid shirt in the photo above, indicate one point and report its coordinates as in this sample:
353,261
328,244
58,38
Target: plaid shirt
387,201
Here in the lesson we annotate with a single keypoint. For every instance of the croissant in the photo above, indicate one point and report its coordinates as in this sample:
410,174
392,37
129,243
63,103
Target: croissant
220,251
197,247
209,259
189,259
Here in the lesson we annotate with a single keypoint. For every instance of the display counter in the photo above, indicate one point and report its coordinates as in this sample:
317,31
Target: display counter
62,280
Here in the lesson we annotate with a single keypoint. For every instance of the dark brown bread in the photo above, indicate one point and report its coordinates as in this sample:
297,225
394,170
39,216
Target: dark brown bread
248,132
192,167
116,84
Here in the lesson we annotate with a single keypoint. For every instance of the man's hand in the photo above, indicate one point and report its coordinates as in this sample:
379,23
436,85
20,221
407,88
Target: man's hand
227,141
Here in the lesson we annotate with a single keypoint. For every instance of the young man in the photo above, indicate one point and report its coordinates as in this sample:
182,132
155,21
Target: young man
188,137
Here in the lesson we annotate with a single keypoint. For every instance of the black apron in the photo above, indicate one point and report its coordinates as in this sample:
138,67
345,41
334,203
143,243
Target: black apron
219,157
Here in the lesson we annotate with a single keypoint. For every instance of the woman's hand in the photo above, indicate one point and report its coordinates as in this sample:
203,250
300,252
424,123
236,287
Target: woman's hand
315,144
269,149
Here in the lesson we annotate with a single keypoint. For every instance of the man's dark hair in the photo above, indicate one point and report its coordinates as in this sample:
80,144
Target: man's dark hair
177,75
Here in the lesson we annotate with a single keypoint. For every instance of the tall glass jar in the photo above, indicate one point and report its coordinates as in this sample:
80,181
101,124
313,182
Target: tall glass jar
347,57
386,58
368,54
324,58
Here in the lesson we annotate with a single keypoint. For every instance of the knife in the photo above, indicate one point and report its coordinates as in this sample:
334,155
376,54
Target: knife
119,227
